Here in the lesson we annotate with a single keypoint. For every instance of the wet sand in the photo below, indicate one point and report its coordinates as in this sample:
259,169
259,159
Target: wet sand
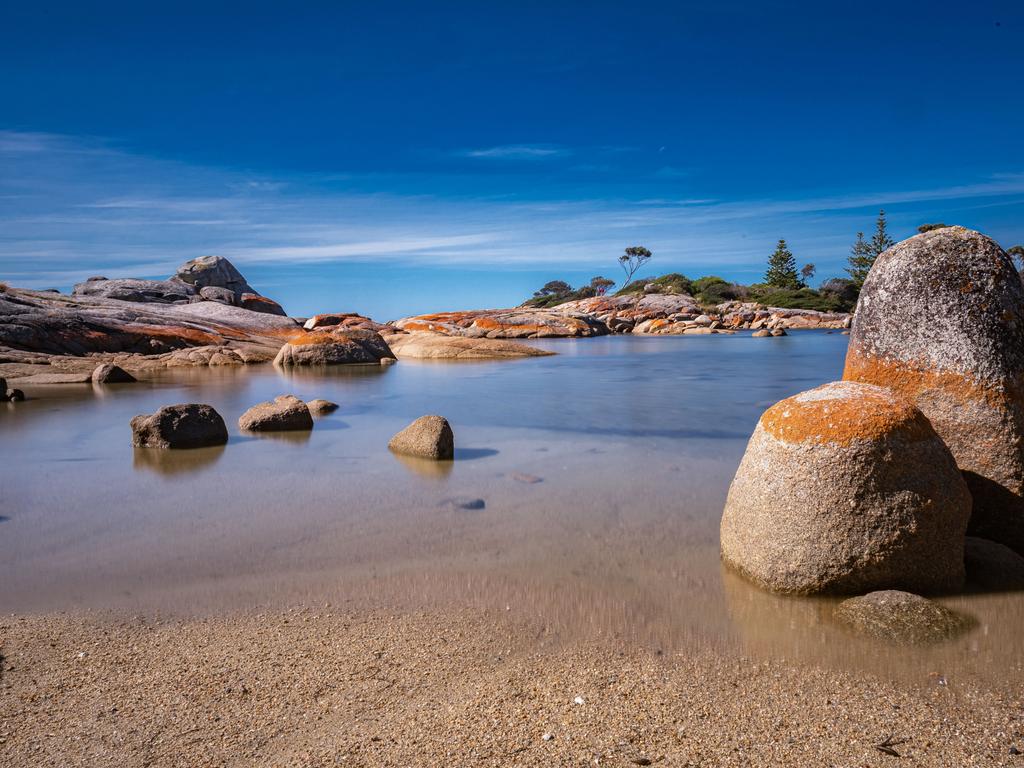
313,687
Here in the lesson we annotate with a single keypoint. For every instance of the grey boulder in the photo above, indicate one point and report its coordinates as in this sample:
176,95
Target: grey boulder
429,437
321,407
941,319
189,425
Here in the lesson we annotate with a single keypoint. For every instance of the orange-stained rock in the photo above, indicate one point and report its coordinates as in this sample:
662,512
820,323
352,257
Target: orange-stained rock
519,323
843,489
433,346
334,346
343,319
941,320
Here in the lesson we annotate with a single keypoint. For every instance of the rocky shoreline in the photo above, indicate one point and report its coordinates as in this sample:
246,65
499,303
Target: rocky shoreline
207,314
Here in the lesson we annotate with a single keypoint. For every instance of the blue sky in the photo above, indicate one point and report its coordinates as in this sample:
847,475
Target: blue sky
395,158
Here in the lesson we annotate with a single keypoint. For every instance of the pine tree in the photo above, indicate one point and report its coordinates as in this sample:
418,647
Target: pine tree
860,260
863,253
782,268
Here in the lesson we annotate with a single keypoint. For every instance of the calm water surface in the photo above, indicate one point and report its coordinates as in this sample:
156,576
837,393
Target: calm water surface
603,471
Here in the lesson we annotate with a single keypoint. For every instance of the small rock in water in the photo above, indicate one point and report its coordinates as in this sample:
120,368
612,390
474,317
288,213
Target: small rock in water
190,425
320,407
901,617
15,395
464,502
429,437
525,478
286,413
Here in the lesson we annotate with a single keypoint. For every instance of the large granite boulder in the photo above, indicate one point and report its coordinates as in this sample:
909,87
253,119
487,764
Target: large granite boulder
256,303
145,291
213,272
189,425
432,346
285,414
846,488
429,437
941,320
334,347
902,618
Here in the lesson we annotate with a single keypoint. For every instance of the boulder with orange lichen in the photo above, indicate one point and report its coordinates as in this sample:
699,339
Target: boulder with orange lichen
334,346
519,323
941,320
843,489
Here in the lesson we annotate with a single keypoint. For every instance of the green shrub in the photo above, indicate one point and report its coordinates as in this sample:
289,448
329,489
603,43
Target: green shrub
801,298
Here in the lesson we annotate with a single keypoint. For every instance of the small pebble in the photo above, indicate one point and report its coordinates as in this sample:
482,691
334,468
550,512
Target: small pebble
578,700
548,736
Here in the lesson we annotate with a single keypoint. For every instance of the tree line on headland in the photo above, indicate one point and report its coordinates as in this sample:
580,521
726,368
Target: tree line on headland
785,284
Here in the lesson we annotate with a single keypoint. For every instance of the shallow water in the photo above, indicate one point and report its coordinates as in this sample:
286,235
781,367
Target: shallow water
603,471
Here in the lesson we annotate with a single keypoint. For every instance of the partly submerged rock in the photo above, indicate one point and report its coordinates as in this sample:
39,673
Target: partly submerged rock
321,407
285,414
901,617
189,425
429,437
941,319
334,347
432,346
846,488
108,373
992,567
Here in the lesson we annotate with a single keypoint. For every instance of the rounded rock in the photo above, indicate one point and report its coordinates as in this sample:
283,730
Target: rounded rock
844,489
941,319
429,437
189,425
901,617
321,407
108,373
285,414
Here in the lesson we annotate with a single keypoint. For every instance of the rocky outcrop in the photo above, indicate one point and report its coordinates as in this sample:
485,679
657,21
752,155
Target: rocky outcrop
285,414
108,373
429,437
432,346
505,324
334,346
901,617
843,489
143,291
208,278
213,272
941,320
39,327
189,425
345,320
655,313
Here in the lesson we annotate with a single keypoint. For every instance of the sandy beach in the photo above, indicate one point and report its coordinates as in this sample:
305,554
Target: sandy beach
311,687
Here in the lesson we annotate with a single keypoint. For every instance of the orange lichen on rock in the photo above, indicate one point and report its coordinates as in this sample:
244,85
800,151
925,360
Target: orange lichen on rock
843,412
914,379
175,333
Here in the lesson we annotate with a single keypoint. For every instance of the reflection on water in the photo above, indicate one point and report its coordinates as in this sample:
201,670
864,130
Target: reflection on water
425,467
176,462
635,439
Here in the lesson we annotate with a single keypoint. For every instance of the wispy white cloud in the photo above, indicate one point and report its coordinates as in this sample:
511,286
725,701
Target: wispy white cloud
517,152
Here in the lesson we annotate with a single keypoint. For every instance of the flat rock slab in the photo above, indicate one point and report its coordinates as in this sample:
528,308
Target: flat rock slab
432,346
901,617
54,378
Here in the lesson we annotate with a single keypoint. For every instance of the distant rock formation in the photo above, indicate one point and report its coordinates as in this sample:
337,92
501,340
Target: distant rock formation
431,346
941,320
